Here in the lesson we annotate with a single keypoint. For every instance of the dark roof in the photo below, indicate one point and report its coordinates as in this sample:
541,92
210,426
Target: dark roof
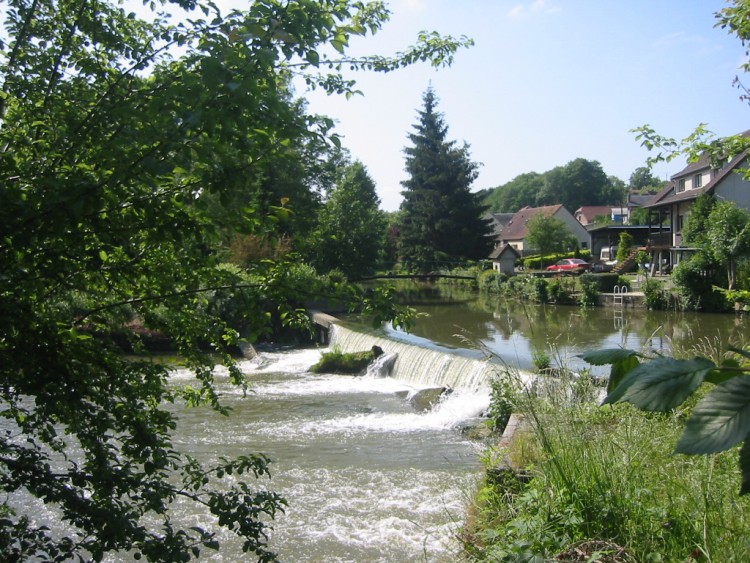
500,220
668,195
516,228
639,200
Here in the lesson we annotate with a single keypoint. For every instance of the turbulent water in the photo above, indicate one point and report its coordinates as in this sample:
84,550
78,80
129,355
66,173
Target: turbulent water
367,477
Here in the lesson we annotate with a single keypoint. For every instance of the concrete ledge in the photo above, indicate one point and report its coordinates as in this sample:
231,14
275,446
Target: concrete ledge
631,300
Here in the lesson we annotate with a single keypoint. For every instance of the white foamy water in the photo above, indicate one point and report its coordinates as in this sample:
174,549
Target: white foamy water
367,478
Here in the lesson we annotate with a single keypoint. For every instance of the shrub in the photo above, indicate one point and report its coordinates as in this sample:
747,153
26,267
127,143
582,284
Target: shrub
604,282
589,293
541,360
491,280
695,279
502,401
623,248
657,298
536,290
560,290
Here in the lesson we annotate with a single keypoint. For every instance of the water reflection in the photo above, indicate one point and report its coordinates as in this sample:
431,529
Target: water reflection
514,329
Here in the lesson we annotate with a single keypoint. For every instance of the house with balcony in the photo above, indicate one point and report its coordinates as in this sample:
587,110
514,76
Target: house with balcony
670,208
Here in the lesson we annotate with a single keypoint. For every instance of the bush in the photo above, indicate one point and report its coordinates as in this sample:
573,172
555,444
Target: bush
589,294
491,280
502,402
657,298
560,290
603,282
536,290
695,279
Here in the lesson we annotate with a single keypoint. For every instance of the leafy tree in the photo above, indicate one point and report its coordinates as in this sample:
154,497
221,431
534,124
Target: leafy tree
643,180
351,227
624,246
442,219
548,234
639,216
728,237
580,182
116,151
695,230
520,192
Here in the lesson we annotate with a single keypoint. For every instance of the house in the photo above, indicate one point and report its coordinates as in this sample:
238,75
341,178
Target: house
516,231
586,214
504,259
498,221
670,208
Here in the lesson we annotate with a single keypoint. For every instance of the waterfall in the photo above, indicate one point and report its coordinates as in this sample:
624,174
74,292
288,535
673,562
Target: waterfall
382,366
414,364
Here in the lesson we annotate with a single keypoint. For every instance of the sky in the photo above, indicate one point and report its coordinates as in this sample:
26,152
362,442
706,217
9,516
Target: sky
547,81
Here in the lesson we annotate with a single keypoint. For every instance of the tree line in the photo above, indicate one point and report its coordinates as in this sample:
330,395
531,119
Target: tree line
578,183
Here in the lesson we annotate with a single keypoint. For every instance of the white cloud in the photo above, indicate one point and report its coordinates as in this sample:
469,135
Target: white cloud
544,7
517,11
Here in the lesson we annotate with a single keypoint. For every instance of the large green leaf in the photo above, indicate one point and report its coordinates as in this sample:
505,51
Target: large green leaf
620,370
608,356
661,384
719,421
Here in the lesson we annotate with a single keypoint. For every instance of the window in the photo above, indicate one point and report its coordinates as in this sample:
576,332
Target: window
697,181
681,185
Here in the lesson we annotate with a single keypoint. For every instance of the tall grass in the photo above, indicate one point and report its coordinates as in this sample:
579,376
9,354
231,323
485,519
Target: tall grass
605,486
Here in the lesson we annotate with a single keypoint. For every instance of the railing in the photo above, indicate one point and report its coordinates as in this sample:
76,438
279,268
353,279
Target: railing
660,240
620,292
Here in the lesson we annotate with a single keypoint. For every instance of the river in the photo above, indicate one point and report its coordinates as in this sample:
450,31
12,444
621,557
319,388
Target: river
370,479
367,477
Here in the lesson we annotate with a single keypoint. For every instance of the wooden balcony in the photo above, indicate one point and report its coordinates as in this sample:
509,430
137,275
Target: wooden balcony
660,240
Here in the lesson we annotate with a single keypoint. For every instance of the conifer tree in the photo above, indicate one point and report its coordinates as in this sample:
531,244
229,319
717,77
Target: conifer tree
442,219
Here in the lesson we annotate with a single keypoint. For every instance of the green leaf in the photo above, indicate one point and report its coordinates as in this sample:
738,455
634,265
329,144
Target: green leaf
313,58
607,356
744,353
727,371
620,370
719,421
661,384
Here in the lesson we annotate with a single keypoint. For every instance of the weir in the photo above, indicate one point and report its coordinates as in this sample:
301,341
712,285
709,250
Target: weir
416,365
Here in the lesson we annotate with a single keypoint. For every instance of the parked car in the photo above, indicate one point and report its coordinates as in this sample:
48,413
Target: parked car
570,266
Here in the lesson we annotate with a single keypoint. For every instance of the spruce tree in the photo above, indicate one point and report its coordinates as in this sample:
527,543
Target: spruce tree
442,220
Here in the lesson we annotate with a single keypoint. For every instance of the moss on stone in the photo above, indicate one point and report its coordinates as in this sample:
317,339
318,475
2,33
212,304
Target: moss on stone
352,363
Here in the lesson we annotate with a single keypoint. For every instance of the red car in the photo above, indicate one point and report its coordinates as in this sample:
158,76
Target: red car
570,265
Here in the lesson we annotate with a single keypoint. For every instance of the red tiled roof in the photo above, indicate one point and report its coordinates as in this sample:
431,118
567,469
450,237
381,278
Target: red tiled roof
589,212
516,228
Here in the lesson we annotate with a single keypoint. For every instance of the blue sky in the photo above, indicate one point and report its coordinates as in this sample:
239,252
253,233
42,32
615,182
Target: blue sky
547,82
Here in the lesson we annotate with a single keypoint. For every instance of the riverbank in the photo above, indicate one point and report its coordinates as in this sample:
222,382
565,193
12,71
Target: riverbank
602,484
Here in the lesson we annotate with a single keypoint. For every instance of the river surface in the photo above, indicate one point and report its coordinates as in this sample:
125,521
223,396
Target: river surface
464,322
367,477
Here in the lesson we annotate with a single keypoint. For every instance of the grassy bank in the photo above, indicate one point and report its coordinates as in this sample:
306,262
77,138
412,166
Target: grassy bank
602,484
